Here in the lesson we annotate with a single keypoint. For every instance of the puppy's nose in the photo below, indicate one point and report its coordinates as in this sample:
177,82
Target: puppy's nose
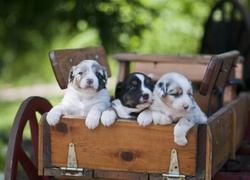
89,81
186,107
145,96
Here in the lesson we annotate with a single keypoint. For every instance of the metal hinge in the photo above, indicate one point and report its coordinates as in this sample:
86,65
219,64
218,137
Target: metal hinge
174,172
72,169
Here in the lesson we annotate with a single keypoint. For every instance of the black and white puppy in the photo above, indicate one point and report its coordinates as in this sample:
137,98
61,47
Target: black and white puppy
173,102
86,94
132,96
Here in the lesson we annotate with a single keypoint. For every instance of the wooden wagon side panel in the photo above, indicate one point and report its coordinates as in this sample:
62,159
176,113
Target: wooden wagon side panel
226,130
125,146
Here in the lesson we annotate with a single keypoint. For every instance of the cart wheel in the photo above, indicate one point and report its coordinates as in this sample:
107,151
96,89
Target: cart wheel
16,154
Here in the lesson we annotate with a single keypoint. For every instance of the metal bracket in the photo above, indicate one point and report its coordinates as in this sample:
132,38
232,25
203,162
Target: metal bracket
174,172
72,169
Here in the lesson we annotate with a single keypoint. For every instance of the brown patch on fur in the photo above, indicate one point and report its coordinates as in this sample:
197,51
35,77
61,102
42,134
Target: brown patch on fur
167,100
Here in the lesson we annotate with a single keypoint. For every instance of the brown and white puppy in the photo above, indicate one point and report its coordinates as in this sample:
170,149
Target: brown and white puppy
173,102
86,94
132,96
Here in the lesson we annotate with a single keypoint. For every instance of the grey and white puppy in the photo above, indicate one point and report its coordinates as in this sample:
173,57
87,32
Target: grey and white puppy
173,102
86,94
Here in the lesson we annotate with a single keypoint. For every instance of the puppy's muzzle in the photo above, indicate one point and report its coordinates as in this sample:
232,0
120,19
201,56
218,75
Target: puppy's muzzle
90,81
185,107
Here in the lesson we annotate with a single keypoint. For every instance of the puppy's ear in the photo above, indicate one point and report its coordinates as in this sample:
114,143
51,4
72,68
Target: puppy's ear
71,74
102,78
162,88
118,89
105,75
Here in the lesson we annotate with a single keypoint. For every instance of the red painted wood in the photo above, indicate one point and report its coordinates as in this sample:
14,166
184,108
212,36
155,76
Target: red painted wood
16,154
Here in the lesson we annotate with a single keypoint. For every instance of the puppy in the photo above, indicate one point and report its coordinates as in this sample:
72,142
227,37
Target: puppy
86,94
173,102
132,96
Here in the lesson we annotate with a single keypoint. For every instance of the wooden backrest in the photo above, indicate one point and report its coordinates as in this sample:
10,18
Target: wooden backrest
218,72
194,67
63,60
159,64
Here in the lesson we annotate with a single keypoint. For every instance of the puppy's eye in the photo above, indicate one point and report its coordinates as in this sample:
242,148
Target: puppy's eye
190,95
160,84
134,83
176,95
80,73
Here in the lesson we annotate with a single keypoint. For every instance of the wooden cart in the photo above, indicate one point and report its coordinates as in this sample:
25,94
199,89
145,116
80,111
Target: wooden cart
126,150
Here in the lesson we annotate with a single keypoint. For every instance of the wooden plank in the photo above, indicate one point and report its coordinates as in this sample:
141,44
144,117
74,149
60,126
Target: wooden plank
40,149
63,60
226,130
241,116
60,173
192,71
124,70
221,127
120,175
218,71
201,151
163,58
44,144
125,146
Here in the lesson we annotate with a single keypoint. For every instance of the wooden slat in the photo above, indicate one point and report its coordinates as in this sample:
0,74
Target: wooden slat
218,71
120,175
193,71
241,116
125,146
162,58
226,129
144,62
221,128
63,60
44,146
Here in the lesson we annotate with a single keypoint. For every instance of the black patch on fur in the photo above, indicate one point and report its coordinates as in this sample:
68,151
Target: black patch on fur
102,79
71,76
164,89
129,91
118,90
160,84
135,114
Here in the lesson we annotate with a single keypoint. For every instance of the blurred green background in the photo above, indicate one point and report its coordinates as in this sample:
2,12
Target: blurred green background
30,29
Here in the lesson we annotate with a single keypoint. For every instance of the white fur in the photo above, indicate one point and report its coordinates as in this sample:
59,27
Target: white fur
82,98
167,108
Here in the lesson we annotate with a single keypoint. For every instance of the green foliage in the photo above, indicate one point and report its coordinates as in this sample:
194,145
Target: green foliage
33,28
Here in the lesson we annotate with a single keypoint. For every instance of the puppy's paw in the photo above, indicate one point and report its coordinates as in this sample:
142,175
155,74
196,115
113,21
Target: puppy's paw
203,119
160,118
53,117
92,119
108,117
145,118
180,140
143,105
